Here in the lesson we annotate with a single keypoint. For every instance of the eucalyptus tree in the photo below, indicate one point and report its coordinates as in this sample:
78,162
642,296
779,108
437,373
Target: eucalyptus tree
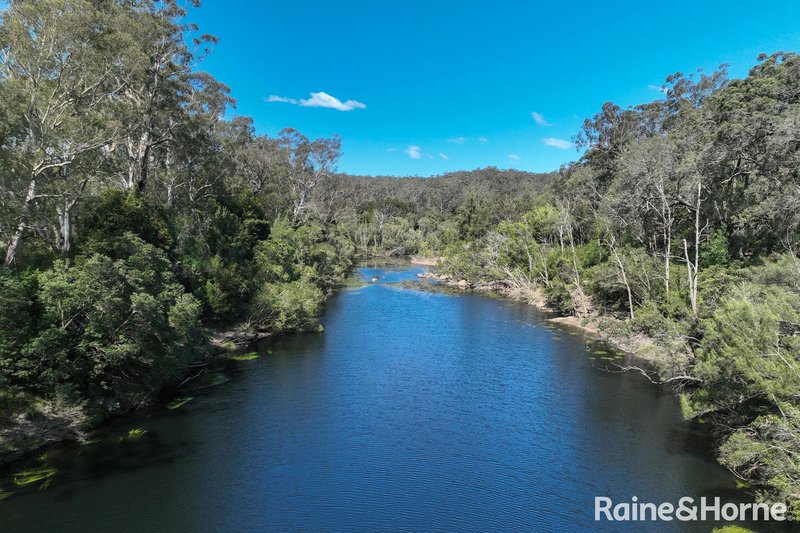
61,73
165,89
754,157
308,163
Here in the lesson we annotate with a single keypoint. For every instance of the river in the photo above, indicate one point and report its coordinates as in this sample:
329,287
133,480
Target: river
416,410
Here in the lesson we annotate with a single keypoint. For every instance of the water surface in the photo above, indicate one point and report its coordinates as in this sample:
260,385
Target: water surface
415,411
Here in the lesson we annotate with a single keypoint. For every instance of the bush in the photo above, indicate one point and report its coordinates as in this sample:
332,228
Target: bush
16,327
288,306
113,330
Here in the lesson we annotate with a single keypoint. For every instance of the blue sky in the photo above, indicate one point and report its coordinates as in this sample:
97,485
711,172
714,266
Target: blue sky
426,87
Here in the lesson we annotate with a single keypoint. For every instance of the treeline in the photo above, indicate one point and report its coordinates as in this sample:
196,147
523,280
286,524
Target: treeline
679,224
134,217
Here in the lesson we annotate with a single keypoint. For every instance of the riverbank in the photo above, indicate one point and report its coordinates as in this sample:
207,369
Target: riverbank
424,260
605,328
29,423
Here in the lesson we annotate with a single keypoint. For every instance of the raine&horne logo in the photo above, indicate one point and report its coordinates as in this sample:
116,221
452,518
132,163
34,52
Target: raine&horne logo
687,509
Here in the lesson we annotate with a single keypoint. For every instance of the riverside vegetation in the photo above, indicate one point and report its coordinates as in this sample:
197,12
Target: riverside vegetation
136,218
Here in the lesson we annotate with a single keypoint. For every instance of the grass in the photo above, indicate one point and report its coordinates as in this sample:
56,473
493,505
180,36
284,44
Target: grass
42,474
180,401
229,346
132,435
245,356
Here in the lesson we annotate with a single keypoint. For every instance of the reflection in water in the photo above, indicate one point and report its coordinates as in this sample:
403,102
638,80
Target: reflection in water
415,410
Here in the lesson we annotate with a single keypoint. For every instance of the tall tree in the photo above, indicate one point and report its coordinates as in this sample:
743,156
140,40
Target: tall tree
61,73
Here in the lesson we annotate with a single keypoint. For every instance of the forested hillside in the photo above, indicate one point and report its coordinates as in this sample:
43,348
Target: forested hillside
136,216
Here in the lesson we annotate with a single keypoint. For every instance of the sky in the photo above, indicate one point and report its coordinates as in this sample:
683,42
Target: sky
427,87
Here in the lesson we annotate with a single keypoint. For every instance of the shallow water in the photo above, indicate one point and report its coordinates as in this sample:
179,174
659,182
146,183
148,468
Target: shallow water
415,410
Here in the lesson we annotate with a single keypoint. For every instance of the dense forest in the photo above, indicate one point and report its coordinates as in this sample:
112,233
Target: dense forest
138,214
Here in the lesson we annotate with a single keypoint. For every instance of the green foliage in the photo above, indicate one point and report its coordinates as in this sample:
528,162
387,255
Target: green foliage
464,261
217,257
651,320
108,218
766,449
472,219
17,323
749,351
288,306
111,330
715,251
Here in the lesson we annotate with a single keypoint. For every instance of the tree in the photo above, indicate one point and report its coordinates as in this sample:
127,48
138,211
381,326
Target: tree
307,164
61,71
164,90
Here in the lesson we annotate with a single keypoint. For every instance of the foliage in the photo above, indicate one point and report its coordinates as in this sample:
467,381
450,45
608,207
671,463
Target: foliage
111,330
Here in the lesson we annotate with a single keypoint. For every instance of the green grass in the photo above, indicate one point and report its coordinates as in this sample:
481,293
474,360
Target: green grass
245,356
180,401
229,346
42,474
132,435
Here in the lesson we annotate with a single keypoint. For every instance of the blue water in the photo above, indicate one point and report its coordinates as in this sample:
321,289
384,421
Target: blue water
414,411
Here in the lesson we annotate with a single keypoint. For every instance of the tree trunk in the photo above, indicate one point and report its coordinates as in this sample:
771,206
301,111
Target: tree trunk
144,167
65,221
693,267
624,277
22,224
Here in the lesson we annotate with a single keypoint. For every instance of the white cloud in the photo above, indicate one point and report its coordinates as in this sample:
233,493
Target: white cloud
320,99
391,149
414,152
443,156
558,143
483,140
539,119
457,140
514,157
659,88
276,98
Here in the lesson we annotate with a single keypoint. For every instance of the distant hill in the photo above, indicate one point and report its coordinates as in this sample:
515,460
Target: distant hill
445,192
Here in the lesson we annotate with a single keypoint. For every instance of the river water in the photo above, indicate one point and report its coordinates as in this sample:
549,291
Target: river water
416,410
